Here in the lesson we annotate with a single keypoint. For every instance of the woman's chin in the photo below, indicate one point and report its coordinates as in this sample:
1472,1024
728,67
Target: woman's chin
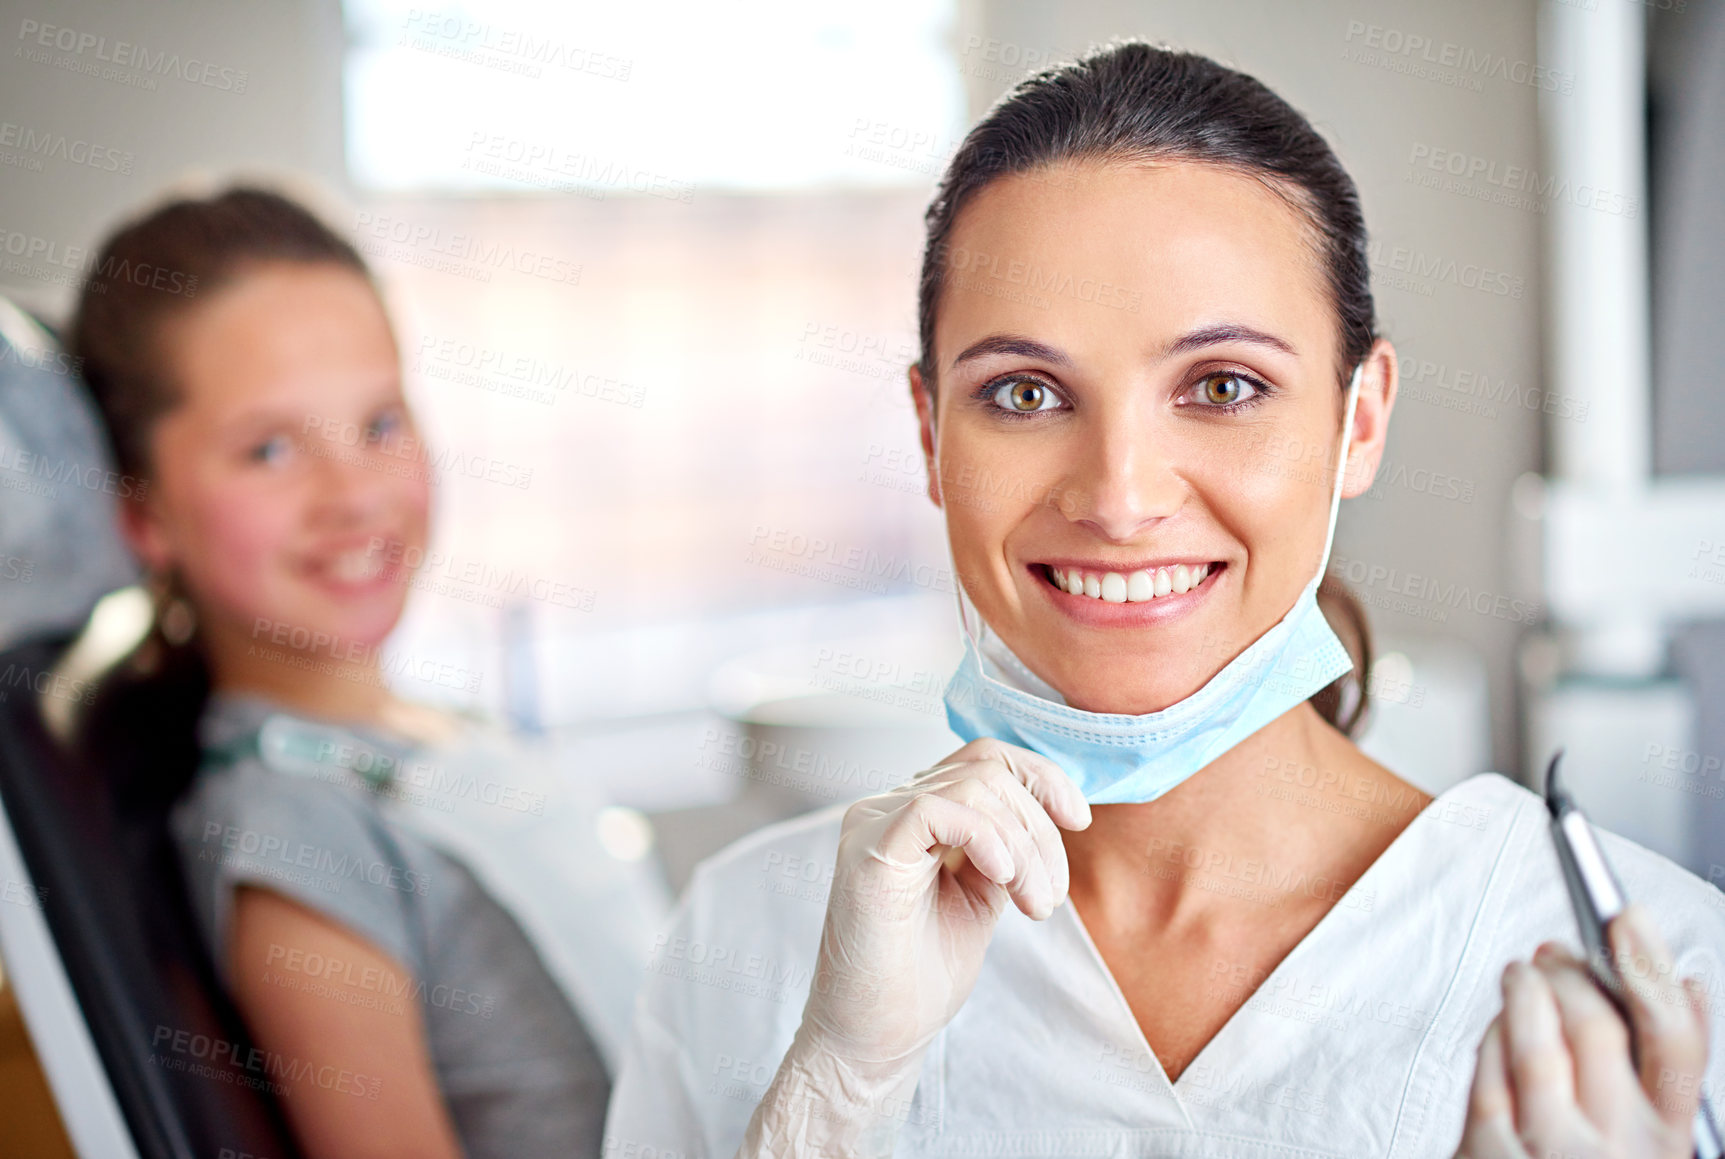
345,634
1088,697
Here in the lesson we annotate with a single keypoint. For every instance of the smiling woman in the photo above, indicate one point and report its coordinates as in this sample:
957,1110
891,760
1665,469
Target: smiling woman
1274,946
1157,440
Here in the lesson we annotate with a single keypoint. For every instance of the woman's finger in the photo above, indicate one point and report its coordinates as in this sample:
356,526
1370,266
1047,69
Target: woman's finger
1013,794
1606,1085
1490,1131
1032,884
1670,1029
1540,1067
1046,781
928,821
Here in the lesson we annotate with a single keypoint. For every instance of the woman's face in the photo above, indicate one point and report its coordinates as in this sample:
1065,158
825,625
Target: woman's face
1137,418
287,482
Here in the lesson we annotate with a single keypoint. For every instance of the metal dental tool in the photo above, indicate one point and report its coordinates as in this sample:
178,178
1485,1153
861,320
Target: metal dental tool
1597,898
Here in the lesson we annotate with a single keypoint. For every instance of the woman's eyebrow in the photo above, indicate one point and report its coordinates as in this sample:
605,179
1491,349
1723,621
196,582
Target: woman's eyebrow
1013,344
1226,332
1022,347
244,432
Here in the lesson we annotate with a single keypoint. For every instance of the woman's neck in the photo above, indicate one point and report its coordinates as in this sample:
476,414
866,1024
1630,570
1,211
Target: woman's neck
1294,804
335,687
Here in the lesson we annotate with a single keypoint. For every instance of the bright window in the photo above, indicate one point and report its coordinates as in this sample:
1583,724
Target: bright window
656,297
532,94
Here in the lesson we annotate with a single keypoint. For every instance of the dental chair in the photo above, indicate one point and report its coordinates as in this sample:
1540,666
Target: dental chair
141,1049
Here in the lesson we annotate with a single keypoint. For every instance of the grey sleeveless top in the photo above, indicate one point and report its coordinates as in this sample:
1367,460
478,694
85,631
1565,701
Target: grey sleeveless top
517,1068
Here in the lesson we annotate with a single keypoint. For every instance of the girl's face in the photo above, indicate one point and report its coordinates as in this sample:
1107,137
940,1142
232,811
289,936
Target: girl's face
1137,417
288,483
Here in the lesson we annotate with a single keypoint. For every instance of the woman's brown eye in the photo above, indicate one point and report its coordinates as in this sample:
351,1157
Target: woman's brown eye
1028,396
1222,389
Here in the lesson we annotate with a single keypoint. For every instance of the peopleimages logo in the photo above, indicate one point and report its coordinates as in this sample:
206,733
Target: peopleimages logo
81,261
466,248
38,143
1403,51
1407,268
19,466
965,266
518,50
1379,585
92,51
1486,178
233,1063
1478,392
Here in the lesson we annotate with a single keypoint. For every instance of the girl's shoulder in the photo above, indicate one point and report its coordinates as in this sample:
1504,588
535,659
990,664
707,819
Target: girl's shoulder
312,834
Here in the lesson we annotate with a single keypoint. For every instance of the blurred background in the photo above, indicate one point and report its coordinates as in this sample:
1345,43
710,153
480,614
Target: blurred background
653,269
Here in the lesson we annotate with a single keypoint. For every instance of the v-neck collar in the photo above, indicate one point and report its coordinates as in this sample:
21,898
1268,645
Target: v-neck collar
1385,876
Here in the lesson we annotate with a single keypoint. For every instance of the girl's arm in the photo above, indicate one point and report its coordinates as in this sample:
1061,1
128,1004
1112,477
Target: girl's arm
341,1028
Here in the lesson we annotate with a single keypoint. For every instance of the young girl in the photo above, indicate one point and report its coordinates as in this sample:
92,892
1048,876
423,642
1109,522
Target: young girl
345,849
1145,281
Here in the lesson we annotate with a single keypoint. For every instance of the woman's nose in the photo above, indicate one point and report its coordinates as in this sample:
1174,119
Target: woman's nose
1124,482
353,484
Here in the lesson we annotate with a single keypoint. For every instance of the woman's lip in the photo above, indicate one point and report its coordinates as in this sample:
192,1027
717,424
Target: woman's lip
373,543
367,566
1097,613
1101,567
389,579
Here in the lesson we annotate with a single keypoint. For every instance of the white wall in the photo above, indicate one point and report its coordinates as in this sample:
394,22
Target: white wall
286,57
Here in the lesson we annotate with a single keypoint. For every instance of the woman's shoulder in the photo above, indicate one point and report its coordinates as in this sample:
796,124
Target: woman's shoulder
315,838
241,792
1633,862
725,985
1529,884
788,860
748,922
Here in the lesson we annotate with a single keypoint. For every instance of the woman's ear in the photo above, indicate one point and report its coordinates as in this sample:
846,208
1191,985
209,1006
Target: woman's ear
924,401
141,527
1372,408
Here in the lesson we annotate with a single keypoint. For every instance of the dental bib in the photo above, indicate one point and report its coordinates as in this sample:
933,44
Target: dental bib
1117,758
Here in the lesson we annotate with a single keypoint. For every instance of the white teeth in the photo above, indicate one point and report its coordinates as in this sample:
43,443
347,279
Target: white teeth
1134,588
356,566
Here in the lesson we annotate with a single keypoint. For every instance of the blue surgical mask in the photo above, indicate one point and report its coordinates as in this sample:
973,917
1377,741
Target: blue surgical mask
1118,758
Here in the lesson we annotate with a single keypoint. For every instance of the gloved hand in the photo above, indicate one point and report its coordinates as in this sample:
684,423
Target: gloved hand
1554,1075
923,873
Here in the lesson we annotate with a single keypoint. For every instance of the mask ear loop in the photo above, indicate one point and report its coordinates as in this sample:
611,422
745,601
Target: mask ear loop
1341,467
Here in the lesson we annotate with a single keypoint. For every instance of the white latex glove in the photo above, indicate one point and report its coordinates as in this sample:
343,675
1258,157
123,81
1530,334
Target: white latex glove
1554,1074
923,873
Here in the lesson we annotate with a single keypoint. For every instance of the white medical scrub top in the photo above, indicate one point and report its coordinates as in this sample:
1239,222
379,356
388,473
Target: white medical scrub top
1361,1042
